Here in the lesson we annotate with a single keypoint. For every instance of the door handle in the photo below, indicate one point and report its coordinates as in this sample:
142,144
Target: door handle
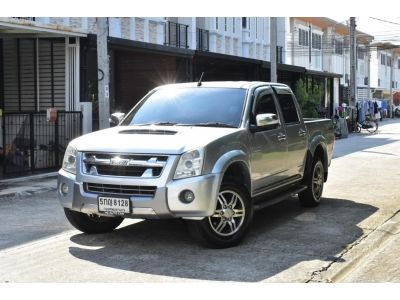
281,137
302,132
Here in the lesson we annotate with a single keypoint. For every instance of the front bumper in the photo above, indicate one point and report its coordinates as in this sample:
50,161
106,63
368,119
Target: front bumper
164,204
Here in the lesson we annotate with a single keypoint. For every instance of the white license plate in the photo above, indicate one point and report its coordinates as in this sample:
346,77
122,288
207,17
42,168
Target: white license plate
112,205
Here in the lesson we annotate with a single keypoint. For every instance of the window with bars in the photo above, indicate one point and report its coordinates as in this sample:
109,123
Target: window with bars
249,27
360,53
226,24
233,25
279,54
256,28
244,22
383,59
317,41
216,23
303,37
338,46
389,61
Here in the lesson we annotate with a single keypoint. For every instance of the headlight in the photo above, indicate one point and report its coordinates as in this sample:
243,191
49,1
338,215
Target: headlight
69,162
190,164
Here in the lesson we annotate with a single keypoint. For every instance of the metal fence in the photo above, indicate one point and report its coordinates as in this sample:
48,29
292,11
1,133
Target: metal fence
202,38
176,35
31,143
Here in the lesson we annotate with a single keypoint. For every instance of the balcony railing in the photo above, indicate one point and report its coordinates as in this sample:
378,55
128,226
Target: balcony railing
202,39
25,18
176,35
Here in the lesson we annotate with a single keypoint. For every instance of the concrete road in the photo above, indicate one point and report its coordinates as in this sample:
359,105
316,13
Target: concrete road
351,234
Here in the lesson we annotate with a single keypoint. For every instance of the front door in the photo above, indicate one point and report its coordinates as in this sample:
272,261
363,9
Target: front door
268,146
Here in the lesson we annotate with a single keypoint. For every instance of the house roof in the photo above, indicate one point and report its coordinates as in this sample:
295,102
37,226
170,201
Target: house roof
339,27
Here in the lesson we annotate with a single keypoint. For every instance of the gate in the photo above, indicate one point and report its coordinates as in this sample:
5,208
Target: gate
31,143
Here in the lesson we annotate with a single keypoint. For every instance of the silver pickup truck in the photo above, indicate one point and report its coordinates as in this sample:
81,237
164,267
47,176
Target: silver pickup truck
210,153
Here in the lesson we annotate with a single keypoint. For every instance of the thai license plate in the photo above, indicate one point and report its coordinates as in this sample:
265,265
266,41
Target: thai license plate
114,206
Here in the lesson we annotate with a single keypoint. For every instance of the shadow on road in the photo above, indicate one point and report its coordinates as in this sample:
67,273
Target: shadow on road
30,217
359,142
281,237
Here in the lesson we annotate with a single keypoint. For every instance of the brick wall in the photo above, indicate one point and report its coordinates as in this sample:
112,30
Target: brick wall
57,21
153,32
235,47
126,28
76,23
227,45
92,27
139,29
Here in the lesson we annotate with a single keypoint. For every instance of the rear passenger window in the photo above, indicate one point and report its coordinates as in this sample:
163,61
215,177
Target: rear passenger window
288,106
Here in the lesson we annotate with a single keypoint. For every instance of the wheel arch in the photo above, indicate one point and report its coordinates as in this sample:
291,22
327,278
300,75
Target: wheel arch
317,150
234,167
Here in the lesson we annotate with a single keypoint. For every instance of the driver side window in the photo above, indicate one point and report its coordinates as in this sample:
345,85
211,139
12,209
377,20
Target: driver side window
265,105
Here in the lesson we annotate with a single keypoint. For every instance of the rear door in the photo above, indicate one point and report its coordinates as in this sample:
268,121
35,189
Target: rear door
296,131
268,146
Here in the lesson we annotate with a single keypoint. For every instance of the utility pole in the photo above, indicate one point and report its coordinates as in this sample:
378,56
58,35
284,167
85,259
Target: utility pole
273,42
391,86
369,73
353,62
103,72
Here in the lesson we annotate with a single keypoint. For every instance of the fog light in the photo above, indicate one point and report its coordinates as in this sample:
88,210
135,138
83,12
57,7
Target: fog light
186,196
64,188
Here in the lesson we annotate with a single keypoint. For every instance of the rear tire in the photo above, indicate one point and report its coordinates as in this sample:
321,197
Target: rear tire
314,181
230,221
92,223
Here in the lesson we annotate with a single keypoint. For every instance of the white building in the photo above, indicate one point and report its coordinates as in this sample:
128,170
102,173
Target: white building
385,70
322,44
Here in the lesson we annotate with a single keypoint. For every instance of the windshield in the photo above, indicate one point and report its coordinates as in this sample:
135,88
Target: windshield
196,106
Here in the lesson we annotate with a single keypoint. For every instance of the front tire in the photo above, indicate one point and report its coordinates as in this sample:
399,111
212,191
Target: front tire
314,181
92,223
230,221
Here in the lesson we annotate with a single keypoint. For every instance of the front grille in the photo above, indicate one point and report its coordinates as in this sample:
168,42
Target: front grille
145,166
129,190
126,171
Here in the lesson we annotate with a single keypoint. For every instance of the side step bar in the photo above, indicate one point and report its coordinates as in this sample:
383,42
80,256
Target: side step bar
279,198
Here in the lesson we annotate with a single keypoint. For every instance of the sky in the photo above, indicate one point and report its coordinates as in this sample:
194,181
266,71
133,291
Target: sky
384,29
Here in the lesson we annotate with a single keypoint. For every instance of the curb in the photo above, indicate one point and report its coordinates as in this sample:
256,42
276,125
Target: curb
368,245
30,177
27,185
26,193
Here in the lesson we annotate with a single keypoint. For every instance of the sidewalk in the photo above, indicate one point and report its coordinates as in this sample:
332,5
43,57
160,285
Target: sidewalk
28,185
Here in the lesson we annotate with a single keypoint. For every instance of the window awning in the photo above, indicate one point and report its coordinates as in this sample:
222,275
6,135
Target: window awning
11,27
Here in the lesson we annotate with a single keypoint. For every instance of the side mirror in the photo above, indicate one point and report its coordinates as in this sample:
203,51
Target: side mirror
270,120
116,118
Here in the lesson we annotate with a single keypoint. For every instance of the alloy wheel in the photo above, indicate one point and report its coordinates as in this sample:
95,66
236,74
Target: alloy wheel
229,214
318,181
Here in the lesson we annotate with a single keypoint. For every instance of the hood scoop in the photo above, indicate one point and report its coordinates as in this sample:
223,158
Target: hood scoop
148,131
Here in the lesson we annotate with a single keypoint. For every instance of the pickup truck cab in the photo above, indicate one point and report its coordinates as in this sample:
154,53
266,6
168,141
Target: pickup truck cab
210,153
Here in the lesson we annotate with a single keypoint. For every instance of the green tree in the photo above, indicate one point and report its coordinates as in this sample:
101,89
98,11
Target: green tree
309,98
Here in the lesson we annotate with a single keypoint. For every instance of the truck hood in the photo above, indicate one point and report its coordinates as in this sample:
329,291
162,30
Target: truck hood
150,139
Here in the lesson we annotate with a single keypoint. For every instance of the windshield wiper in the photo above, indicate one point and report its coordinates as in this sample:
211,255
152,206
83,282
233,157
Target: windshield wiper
216,124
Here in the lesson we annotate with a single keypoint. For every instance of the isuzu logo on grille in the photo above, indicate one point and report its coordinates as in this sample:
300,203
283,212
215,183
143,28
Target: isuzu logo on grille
117,161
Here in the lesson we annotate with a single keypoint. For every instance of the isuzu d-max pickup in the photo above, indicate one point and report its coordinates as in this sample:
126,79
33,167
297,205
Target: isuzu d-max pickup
210,153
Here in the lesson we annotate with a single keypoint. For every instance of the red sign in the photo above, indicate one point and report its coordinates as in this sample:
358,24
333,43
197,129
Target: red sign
51,114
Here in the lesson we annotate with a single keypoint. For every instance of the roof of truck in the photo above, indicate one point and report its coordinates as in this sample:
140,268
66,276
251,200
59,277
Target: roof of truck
225,84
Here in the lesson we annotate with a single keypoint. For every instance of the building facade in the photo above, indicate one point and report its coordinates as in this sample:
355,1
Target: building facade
51,62
323,45
385,70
